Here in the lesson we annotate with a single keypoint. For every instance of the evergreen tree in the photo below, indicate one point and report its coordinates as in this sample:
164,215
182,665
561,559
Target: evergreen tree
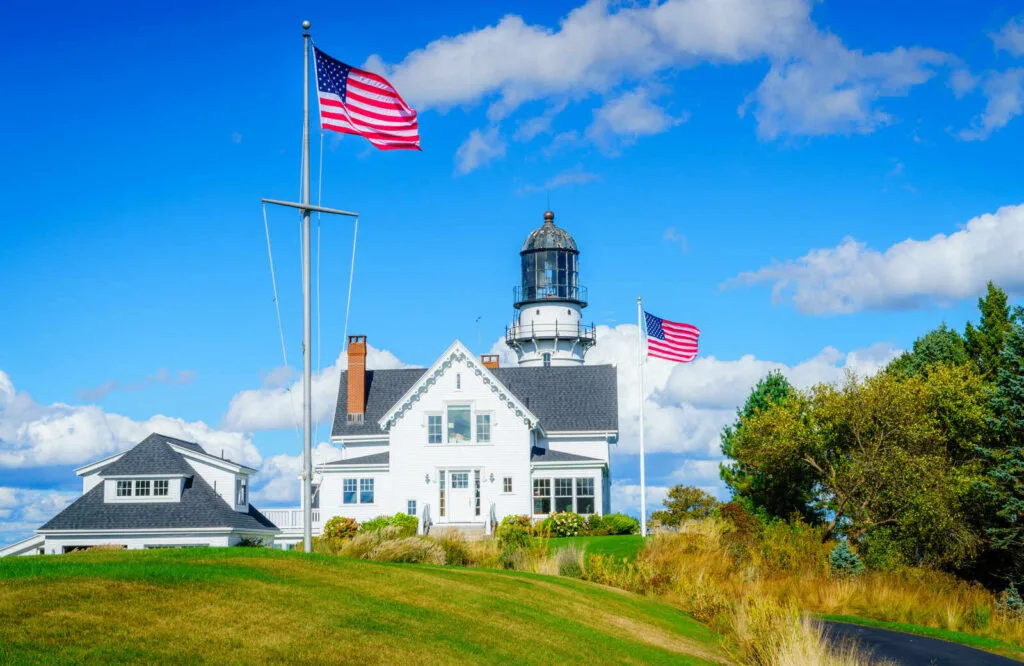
940,345
985,342
779,495
1005,454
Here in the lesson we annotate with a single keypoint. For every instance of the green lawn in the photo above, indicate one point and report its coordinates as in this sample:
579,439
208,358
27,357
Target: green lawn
253,605
980,642
627,545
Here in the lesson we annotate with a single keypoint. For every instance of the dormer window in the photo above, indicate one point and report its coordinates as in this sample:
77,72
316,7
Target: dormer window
142,488
124,488
241,491
160,487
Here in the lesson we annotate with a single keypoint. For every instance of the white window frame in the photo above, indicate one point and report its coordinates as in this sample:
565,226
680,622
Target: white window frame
477,416
127,487
143,483
355,489
241,491
576,494
447,420
506,485
161,488
410,507
364,483
440,429
549,496
556,495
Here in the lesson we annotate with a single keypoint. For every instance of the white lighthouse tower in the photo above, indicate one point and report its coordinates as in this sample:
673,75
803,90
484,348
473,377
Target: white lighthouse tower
548,328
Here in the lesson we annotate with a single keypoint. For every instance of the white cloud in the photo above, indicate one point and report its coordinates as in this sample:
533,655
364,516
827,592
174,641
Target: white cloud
816,85
628,117
576,176
530,128
478,149
22,510
830,89
1011,37
278,480
33,435
961,81
626,497
1005,94
945,268
161,376
277,407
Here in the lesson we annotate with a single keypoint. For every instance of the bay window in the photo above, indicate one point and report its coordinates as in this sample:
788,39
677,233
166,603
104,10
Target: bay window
585,495
563,495
542,496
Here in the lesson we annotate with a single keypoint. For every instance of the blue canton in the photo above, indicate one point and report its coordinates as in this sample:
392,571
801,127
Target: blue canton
331,74
654,329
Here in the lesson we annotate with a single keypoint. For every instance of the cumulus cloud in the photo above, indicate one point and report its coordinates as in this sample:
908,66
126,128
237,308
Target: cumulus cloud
961,81
1004,92
816,85
59,434
945,268
831,89
628,117
478,149
576,176
279,407
278,480
626,497
23,510
1011,37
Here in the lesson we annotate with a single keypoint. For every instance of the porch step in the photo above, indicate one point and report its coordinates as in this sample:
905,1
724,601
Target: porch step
471,531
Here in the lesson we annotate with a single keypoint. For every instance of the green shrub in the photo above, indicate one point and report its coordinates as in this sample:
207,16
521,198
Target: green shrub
515,531
565,524
620,523
882,550
844,562
340,528
404,522
595,526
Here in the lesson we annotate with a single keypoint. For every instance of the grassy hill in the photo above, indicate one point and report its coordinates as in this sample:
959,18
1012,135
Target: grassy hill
254,605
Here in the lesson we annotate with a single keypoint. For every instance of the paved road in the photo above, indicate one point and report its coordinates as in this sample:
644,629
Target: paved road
911,650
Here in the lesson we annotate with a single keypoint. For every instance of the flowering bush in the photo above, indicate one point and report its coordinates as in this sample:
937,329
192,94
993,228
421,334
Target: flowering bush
340,527
514,532
567,524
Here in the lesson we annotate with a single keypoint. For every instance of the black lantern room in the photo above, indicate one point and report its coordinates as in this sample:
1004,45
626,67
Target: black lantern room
550,263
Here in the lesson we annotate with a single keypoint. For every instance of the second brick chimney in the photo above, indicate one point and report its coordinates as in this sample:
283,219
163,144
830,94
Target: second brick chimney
356,378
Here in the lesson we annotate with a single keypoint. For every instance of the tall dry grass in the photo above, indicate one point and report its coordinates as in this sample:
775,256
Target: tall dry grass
707,567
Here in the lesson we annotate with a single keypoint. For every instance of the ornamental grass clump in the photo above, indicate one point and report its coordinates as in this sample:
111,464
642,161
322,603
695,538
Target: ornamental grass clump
405,523
455,546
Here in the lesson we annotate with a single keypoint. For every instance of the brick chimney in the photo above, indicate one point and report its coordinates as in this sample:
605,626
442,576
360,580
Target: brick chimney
356,378
490,361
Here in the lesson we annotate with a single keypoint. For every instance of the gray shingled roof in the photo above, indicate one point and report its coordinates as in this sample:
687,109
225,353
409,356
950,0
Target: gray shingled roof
538,454
200,505
563,398
372,459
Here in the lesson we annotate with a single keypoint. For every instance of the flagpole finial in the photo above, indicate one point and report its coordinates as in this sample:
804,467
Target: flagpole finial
305,25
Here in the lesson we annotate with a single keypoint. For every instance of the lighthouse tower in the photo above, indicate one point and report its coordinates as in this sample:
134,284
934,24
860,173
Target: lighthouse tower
548,328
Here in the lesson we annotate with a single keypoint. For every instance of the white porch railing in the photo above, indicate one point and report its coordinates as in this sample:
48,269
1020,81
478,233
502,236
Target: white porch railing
291,519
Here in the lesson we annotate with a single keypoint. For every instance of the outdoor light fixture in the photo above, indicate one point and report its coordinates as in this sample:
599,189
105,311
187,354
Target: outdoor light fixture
426,477
492,477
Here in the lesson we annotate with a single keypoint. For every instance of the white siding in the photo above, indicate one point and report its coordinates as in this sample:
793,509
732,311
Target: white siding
90,481
331,495
221,480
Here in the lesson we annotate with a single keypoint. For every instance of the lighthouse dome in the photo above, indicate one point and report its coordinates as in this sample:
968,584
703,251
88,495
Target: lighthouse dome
549,237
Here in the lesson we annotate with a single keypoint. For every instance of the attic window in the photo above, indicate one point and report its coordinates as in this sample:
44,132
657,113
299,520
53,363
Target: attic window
458,382
241,491
124,488
142,488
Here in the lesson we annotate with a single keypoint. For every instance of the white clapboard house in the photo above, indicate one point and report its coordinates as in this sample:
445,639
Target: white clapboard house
466,442
162,493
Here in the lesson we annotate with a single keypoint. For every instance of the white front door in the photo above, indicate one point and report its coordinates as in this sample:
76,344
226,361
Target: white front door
460,488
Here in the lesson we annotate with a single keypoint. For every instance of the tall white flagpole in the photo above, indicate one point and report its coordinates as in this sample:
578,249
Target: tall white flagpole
307,389
640,371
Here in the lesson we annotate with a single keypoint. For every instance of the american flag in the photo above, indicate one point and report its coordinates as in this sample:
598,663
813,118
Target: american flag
671,340
354,101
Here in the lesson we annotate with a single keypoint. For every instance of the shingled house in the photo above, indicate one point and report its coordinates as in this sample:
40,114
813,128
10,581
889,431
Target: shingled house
162,493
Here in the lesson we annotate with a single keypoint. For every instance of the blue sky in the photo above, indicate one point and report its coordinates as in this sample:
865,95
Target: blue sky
775,172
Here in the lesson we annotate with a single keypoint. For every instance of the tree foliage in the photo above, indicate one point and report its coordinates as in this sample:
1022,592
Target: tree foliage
684,503
940,345
984,343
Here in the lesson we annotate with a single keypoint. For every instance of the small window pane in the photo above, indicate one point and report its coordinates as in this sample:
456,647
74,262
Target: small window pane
506,484
366,491
541,496
160,488
483,427
124,488
434,429
142,488
476,491
349,488
458,424
410,507
241,492
440,504
547,360
460,480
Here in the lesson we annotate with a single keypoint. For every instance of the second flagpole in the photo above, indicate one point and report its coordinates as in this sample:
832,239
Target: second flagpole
640,371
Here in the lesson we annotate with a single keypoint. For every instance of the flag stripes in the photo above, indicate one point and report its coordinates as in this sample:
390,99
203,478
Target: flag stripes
669,340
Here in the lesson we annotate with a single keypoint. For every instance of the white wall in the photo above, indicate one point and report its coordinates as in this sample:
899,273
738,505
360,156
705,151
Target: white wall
360,449
332,495
583,445
90,481
221,480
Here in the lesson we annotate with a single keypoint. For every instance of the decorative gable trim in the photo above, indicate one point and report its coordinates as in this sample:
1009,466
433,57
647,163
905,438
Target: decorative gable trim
458,352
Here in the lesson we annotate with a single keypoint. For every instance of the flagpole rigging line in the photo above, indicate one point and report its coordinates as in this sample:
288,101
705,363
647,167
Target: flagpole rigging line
319,193
640,371
280,324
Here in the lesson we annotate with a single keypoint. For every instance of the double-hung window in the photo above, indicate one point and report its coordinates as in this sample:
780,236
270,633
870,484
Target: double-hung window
459,424
124,488
366,491
142,488
160,487
483,428
241,491
434,430
585,495
410,507
506,484
563,495
542,496
348,487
